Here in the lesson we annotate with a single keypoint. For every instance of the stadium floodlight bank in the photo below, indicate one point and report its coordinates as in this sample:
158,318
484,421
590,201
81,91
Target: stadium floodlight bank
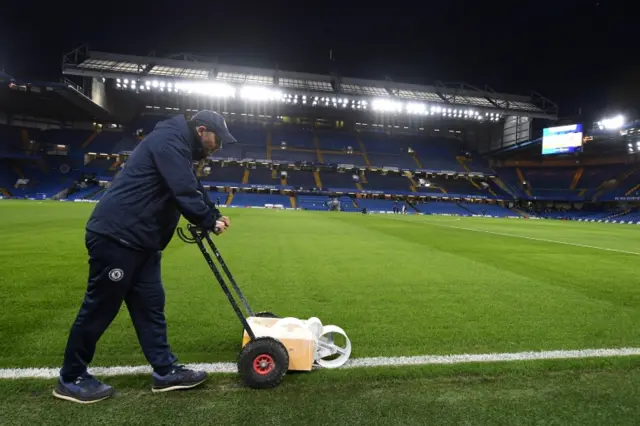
179,84
140,73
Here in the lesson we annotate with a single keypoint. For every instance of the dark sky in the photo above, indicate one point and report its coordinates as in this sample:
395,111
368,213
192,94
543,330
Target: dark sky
578,53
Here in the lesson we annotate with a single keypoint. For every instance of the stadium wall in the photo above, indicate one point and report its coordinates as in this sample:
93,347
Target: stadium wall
515,130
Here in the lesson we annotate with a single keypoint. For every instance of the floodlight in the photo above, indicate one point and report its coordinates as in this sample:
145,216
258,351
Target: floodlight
213,89
257,93
385,105
612,123
416,108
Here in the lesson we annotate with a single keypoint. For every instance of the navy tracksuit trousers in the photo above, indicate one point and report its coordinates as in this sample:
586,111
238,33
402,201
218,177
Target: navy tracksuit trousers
119,274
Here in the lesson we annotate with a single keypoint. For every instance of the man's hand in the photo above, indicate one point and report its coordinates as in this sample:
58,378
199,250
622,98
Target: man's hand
221,225
225,220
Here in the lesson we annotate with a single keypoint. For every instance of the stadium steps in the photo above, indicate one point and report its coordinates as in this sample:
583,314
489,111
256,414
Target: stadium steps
18,170
463,164
582,192
245,177
316,143
355,204
283,181
268,142
359,186
601,188
444,191
464,208
96,195
413,183
91,138
617,214
522,179
91,195
316,177
363,176
502,186
42,165
274,174
229,199
632,190
415,157
363,149
114,166
292,199
478,186
410,204
24,135
576,178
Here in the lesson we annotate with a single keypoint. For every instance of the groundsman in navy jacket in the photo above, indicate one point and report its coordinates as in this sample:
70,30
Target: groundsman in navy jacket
142,207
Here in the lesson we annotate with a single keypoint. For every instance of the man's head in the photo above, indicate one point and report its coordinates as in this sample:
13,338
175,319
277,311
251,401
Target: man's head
211,131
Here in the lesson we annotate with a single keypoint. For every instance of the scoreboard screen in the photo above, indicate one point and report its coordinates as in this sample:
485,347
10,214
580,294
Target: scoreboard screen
562,139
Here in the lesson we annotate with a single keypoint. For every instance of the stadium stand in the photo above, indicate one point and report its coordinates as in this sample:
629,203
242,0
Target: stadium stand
337,155
292,137
226,174
293,156
442,207
383,150
337,180
245,199
312,202
263,176
304,145
488,210
390,181
439,154
378,205
100,152
300,178
337,140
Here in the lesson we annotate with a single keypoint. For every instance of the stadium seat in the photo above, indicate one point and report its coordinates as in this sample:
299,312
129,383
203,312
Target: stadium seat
245,199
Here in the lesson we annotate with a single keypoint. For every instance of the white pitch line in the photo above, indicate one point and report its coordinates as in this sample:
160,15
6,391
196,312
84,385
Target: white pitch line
535,239
228,367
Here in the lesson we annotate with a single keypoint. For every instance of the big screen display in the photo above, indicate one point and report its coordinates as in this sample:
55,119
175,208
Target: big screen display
562,139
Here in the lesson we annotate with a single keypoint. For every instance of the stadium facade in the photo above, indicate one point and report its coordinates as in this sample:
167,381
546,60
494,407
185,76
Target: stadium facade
308,138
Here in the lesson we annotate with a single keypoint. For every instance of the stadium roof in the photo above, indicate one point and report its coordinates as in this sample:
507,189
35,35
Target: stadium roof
48,100
83,62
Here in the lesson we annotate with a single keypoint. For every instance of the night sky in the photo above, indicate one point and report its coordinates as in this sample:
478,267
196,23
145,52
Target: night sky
580,54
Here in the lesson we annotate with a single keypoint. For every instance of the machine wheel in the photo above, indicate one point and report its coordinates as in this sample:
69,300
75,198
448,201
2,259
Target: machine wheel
263,363
266,314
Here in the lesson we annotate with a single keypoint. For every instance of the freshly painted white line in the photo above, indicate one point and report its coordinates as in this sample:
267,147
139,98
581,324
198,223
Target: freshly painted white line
534,238
228,367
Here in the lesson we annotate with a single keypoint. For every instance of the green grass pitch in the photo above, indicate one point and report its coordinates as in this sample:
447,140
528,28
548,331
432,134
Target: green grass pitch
398,285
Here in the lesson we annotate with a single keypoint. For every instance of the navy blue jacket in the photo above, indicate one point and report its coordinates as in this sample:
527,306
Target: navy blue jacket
142,207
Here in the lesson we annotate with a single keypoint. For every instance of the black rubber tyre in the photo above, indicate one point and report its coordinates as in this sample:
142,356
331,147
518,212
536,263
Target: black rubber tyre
263,363
266,314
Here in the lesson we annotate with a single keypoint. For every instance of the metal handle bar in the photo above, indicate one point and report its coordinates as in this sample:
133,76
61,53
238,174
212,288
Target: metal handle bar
196,237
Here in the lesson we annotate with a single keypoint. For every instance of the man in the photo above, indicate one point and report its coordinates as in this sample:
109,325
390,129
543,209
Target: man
125,235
